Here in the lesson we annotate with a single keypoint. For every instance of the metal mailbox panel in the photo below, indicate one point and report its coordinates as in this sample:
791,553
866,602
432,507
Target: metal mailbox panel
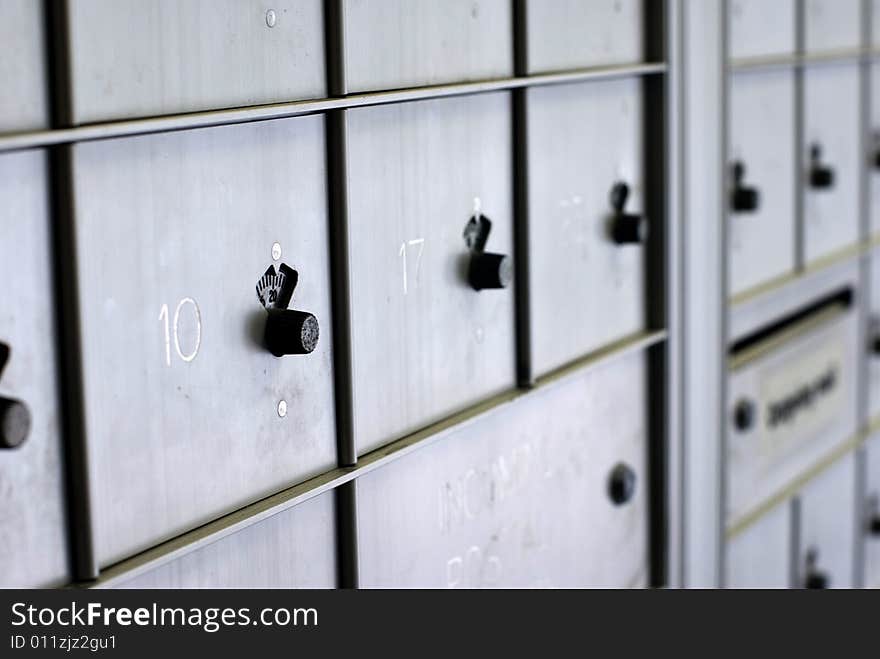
832,24
760,556
188,415
33,541
573,34
762,136
873,348
828,516
831,115
872,513
293,549
425,343
874,150
875,22
23,80
392,44
152,57
520,497
784,438
758,27
586,291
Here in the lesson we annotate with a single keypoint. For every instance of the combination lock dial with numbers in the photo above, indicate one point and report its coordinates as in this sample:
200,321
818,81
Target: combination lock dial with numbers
288,332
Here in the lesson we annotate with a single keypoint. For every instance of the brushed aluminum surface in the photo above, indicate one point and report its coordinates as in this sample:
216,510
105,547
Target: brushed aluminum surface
139,58
520,497
585,290
173,232
424,343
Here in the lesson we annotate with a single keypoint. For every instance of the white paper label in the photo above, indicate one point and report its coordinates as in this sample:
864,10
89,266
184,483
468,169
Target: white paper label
804,395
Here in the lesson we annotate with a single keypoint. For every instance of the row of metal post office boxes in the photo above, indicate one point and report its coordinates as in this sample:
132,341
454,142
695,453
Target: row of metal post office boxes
548,490
130,58
194,249
760,28
766,177
793,405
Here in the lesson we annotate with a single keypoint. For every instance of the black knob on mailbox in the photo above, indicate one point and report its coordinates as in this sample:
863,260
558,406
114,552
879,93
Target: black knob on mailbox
744,415
15,423
15,418
626,228
816,579
621,484
290,332
490,270
486,269
821,176
873,525
744,199
287,332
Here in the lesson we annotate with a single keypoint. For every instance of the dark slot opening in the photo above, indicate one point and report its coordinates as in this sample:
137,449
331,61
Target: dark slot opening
843,297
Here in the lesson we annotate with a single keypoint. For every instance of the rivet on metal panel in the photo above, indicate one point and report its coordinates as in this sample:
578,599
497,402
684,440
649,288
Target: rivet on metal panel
276,251
282,408
271,18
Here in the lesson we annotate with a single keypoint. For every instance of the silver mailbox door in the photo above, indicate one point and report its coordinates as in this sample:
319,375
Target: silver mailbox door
586,291
293,549
573,34
760,556
23,80
424,342
188,416
32,516
872,510
832,24
875,22
831,116
151,57
518,498
828,516
762,137
758,27
390,44
768,456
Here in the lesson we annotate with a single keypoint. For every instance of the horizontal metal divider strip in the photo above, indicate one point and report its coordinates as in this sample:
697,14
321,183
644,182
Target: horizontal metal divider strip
292,496
210,118
845,254
793,60
796,484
